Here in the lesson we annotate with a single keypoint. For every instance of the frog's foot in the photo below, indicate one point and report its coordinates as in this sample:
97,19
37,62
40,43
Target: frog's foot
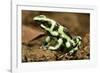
44,47
76,43
73,50
78,40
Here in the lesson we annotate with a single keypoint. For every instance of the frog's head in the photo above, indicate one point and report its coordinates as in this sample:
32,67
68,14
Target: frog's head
42,19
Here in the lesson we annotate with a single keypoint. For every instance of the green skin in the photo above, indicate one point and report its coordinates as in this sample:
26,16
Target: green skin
57,35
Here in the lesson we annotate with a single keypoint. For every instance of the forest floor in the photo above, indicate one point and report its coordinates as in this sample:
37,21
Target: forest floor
31,51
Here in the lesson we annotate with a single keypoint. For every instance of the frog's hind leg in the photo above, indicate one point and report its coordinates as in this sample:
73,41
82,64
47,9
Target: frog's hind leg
77,41
59,43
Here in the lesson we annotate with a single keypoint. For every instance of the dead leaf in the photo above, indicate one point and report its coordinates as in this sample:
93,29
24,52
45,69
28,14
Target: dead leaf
29,33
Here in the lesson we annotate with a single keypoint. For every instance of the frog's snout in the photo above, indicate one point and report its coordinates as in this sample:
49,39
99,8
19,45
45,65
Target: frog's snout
39,18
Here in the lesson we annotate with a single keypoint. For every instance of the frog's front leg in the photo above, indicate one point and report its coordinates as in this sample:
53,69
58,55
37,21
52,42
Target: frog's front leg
59,43
46,42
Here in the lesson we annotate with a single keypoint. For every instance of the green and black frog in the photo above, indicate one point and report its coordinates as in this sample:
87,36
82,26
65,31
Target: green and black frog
57,35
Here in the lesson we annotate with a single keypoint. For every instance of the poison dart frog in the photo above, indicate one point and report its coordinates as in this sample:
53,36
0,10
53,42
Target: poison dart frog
57,36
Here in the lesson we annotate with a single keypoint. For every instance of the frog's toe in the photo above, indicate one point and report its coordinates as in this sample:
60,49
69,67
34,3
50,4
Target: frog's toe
73,50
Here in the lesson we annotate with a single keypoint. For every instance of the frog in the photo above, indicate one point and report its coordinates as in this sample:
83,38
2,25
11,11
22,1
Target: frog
58,36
